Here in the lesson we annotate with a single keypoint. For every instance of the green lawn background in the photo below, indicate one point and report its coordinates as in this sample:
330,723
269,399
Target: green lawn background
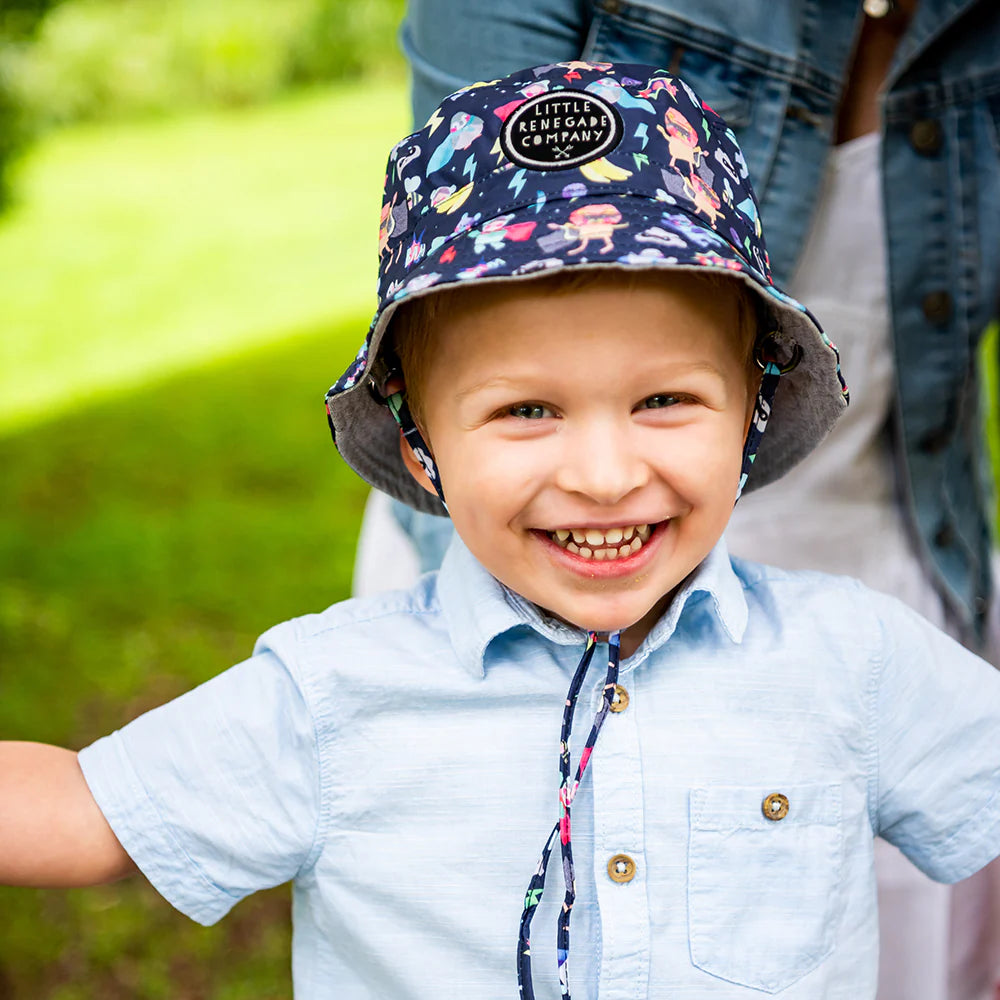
177,296
139,249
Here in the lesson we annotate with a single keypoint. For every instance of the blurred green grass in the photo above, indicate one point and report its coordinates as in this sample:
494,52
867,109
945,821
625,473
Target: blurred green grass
149,538
177,296
141,249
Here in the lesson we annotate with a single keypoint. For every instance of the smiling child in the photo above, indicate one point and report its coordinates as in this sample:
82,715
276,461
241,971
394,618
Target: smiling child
576,355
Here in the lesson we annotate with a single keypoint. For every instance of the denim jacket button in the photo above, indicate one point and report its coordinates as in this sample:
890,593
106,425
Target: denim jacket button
611,6
620,701
878,8
926,136
621,868
937,307
775,806
934,442
944,536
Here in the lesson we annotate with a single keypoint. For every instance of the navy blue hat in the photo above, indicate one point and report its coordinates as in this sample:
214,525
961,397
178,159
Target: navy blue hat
575,165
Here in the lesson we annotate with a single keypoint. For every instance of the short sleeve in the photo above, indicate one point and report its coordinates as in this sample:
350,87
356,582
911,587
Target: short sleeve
216,794
937,734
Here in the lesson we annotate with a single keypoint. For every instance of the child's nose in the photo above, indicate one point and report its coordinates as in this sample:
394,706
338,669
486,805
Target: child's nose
601,463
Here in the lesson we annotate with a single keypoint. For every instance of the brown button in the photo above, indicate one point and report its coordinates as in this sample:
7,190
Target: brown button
937,307
612,6
775,806
620,701
926,136
621,868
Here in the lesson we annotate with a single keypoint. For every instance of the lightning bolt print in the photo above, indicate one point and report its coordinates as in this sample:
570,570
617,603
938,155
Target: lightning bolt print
434,121
640,133
517,182
470,168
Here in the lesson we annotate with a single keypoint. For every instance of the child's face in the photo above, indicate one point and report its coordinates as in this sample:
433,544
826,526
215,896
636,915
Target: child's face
615,412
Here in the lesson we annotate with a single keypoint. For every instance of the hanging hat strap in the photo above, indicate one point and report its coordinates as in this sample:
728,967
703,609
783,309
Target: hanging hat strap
396,401
772,372
562,831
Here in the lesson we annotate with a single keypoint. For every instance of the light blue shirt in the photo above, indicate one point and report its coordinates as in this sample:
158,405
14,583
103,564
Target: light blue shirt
397,758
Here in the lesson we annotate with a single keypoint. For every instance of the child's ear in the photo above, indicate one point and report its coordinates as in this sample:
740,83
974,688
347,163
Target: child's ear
413,467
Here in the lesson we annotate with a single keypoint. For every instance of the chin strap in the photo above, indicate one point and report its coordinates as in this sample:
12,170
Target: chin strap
772,372
562,830
393,395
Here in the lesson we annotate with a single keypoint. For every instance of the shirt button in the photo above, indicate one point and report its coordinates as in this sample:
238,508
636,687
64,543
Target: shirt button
620,701
621,868
937,307
775,806
926,136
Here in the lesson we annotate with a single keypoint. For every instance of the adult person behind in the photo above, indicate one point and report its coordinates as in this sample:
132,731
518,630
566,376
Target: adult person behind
852,122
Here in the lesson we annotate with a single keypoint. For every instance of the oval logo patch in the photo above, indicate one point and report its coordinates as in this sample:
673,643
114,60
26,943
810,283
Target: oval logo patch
561,129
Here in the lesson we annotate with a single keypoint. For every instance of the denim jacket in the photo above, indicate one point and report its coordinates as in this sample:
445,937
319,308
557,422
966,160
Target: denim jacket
776,72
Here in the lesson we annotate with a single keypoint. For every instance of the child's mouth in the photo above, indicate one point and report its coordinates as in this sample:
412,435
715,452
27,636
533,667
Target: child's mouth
602,544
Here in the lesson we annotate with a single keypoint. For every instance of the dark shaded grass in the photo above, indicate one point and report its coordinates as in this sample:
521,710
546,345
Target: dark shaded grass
144,543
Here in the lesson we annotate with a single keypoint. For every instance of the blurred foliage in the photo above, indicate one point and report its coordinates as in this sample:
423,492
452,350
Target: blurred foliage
146,541
989,366
18,21
97,59
79,60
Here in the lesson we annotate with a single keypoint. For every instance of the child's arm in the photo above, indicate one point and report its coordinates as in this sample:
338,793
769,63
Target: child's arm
52,833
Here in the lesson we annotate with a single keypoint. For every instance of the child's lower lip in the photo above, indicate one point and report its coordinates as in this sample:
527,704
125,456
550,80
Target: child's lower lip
605,568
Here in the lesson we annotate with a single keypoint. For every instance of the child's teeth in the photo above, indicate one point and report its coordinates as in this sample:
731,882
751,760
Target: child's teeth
603,544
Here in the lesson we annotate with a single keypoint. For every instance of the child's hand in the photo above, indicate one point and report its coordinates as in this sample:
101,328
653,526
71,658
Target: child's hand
51,831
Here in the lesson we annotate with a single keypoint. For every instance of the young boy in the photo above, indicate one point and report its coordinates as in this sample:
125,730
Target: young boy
578,339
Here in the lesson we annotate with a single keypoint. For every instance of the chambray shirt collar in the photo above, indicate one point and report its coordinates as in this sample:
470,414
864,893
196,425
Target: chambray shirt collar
478,608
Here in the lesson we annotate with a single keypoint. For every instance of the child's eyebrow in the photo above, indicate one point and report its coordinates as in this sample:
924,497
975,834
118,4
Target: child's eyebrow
495,382
667,370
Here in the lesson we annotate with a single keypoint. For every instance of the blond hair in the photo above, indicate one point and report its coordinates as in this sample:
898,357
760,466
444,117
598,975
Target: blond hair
412,327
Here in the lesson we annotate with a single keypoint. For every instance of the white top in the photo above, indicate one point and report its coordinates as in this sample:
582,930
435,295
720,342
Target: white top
837,510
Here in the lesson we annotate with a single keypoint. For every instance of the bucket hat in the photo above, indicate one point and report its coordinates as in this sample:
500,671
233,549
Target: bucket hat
577,164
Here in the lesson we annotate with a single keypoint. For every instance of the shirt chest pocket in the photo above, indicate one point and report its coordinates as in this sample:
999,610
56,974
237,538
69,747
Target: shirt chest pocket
763,881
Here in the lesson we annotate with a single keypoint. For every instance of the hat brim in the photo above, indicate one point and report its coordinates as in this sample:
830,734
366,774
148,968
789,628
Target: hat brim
631,233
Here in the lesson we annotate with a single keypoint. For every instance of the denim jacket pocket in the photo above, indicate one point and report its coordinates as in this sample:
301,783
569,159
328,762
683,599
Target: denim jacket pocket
763,881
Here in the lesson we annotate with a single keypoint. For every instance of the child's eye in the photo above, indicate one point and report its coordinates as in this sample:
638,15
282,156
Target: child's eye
659,401
530,411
